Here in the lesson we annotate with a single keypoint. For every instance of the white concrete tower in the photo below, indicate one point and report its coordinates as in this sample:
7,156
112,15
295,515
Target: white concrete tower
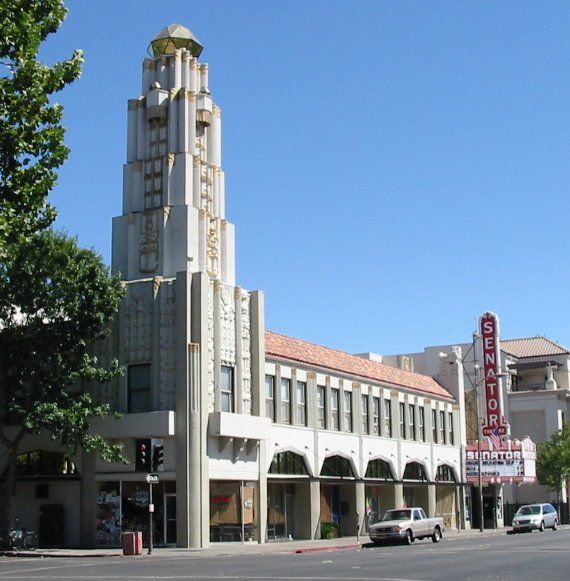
174,215
191,341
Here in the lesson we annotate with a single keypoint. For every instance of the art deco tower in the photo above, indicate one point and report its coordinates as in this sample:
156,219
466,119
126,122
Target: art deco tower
192,342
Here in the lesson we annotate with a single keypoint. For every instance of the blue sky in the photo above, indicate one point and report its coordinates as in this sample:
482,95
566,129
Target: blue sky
394,169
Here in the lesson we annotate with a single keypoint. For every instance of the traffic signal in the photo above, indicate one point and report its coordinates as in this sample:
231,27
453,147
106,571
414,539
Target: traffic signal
142,455
157,455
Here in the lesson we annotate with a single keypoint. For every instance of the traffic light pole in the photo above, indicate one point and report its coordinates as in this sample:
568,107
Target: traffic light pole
150,523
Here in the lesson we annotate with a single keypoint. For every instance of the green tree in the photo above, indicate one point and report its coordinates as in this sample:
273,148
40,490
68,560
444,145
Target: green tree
31,134
553,460
56,300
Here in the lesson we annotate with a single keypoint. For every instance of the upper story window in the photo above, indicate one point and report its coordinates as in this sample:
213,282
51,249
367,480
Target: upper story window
364,413
288,463
388,418
227,389
442,430
412,420
376,416
450,438
42,463
347,411
422,423
402,420
334,409
270,397
321,407
434,426
285,400
139,394
301,403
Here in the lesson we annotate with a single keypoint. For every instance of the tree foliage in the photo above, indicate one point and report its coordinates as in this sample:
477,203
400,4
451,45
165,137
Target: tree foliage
31,135
553,460
56,299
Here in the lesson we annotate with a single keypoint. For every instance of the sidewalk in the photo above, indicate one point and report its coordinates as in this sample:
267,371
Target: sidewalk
250,548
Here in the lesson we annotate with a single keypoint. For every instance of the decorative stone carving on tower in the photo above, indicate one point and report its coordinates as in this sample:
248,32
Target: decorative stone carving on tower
149,244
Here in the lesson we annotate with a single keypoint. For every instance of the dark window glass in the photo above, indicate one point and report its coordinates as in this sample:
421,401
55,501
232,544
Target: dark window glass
227,389
139,398
415,471
337,466
379,469
288,463
270,397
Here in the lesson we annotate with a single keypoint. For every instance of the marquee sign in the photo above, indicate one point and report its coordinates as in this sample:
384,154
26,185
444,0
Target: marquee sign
495,425
514,462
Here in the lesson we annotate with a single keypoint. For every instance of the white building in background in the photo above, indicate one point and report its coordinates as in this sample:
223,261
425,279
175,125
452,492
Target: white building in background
264,436
536,385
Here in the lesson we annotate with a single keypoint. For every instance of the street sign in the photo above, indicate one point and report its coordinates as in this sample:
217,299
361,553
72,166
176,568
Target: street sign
152,478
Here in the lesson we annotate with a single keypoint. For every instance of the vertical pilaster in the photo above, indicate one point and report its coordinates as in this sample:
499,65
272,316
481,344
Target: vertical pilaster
311,399
132,115
431,509
141,129
328,406
239,351
293,397
187,423
360,503
278,415
315,494
218,349
398,495
88,499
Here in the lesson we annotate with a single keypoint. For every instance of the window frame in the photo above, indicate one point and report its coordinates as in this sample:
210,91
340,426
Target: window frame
145,390
285,403
270,401
364,416
321,409
227,390
347,411
335,410
301,405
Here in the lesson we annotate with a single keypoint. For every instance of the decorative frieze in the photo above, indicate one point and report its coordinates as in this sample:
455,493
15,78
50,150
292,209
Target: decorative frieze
138,323
246,350
227,314
148,259
167,347
211,345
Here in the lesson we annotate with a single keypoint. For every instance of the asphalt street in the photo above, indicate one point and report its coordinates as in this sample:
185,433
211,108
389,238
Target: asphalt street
527,556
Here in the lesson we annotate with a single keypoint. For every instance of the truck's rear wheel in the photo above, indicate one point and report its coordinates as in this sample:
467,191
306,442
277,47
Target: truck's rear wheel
409,538
436,537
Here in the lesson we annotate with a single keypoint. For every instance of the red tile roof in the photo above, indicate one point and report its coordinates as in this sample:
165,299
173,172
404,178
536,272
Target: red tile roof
283,347
532,347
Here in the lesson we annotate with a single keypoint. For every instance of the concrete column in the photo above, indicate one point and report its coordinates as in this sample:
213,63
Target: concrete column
204,81
218,349
311,399
176,70
398,495
200,336
215,138
194,75
431,507
395,414
360,501
356,409
173,105
187,424
315,492
341,406
141,129
293,397
191,124
328,407
257,342
278,418
183,120
381,427
148,75
162,72
132,130
257,335
89,491
239,352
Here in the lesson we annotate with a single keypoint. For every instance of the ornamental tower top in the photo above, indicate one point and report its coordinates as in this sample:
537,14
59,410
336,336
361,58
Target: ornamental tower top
173,216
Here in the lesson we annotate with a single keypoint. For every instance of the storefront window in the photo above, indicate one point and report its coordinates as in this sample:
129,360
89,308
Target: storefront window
108,524
232,511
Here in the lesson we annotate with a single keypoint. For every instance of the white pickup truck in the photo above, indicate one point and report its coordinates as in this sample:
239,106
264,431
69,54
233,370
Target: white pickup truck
406,524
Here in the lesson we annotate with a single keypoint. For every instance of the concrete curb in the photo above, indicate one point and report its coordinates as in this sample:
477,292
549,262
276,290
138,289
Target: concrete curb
59,555
326,548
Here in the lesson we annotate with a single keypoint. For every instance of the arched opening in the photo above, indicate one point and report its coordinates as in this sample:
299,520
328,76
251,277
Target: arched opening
288,463
415,485
337,466
446,494
380,495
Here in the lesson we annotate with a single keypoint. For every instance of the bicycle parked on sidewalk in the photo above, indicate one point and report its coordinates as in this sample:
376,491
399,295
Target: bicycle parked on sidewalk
19,538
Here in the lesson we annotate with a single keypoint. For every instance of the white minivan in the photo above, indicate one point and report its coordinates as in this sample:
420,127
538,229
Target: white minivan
535,516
